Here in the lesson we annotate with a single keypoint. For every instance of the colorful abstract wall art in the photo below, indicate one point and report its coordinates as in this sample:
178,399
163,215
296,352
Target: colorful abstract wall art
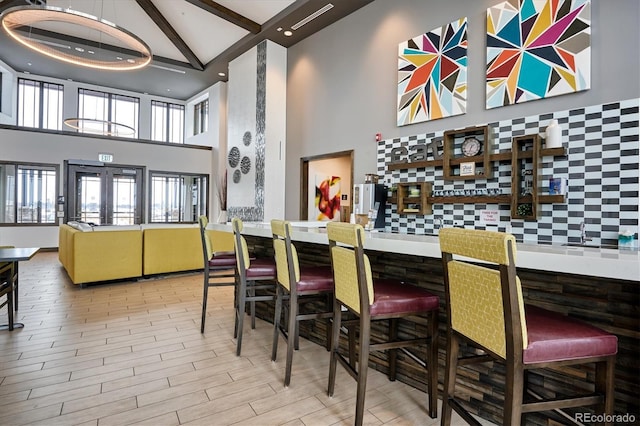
537,49
432,74
328,196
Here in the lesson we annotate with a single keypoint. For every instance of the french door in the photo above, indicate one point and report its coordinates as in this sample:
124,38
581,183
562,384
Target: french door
105,195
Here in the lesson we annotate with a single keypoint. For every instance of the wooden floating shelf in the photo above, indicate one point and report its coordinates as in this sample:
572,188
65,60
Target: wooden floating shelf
501,156
551,199
463,199
525,154
487,199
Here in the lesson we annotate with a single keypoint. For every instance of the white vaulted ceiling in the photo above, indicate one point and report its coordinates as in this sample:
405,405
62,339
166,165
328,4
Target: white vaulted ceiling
192,41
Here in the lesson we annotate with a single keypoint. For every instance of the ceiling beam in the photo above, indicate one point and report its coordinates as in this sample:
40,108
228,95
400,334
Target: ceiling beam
228,15
6,4
171,34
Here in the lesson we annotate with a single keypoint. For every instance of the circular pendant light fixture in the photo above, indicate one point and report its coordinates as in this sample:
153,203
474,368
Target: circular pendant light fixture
100,127
40,28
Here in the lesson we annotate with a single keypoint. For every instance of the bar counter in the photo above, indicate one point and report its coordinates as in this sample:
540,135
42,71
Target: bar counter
589,261
599,286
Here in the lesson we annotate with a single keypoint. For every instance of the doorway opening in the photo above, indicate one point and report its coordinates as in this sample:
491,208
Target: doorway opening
326,186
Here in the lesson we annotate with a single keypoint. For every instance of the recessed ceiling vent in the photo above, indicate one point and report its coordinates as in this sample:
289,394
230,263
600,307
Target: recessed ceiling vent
311,17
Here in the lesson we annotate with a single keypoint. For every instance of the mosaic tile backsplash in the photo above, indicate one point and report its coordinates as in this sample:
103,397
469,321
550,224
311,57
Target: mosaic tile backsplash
601,166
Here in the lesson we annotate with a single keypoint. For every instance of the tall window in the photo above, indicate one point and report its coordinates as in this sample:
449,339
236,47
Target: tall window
177,197
109,109
201,117
167,122
28,193
40,104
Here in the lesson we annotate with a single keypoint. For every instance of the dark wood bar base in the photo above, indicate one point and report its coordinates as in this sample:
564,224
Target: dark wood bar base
610,304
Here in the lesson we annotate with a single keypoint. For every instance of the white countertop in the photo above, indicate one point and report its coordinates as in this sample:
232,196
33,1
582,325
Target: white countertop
596,262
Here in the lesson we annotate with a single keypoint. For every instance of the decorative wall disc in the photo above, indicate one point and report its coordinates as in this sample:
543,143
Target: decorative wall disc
245,165
246,138
236,176
234,157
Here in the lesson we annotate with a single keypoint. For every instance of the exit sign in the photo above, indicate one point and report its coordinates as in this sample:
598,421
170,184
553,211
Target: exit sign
105,158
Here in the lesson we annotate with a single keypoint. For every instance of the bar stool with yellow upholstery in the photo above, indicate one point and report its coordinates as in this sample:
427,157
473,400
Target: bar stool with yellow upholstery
250,272
485,310
303,284
372,300
217,266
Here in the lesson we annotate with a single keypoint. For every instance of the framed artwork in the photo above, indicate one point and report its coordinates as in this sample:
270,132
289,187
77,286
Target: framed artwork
537,49
328,195
432,74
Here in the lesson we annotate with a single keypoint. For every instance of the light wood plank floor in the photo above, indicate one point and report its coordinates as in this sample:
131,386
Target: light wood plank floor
132,353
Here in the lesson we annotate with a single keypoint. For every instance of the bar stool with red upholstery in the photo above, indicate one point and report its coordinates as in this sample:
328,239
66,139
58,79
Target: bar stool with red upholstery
217,265
251,271
371,299
485,310
304,285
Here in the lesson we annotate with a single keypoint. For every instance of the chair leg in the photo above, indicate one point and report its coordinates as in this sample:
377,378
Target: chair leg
236,300
432,364
392,354
363,367
242,298
10,303
351,332
252,293
335,344
514,392
276,322
329,323
204,300
15,286
605,375
453,347
236,286
292,336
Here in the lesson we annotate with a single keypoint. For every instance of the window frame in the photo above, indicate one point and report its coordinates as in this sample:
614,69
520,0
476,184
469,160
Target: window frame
19,165
110,109
44,88
167,109
203,195
201,117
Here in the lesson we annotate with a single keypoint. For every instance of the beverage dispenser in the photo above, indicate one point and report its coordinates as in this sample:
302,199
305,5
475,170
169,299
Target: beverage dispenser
369,201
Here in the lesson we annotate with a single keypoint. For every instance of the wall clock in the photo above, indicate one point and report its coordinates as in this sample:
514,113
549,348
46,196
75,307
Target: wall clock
471,147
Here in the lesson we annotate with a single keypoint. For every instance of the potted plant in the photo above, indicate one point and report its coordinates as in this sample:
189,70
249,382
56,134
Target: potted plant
221,191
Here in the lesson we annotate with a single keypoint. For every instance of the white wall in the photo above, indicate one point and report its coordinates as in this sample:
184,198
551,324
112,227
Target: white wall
257,107
215,137
70,101
342,81
43,147
8,107
275,132
50,148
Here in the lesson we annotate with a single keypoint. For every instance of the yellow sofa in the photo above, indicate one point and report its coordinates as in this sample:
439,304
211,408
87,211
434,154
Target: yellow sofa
100,255
171,250
114,252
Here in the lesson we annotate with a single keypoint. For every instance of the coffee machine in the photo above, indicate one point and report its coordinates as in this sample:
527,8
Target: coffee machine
370,201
